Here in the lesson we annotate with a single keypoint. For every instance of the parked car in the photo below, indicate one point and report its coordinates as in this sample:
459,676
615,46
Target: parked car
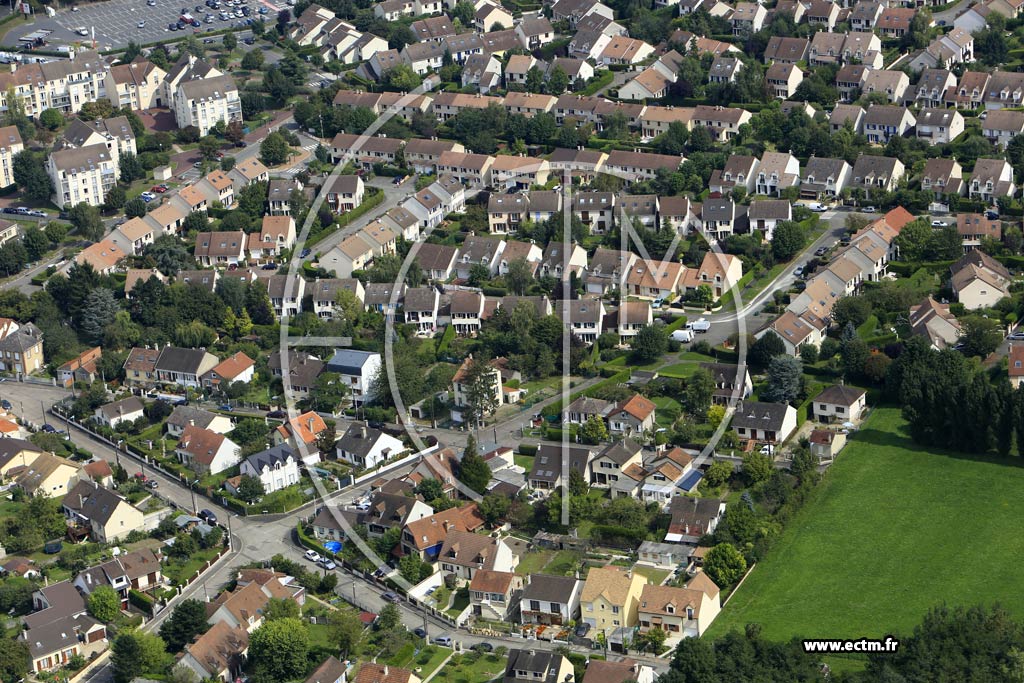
799,271
767,449
682,336
392,597
225,406
420,632
5,404
312,555
939,224
49,428
870,209
483,647
152,484
699,325
444,640
141,478
207,516
582,630
327,563
820,251
1016,335
305,252
141,24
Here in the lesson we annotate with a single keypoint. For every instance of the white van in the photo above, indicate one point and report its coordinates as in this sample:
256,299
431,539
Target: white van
682,336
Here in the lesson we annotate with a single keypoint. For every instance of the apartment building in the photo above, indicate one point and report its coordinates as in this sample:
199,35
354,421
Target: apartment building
205,102
84,174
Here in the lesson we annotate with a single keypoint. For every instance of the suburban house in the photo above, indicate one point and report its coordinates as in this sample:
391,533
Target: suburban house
217,654
611,598
126,410
610,463
390,510
365,447
205,451
978,280
183,416
550,600
768,422
680,612
275,467
108,516
491,593
693,518
424,537
840,403
935,322
60,628
546,473
465,554
540,666
185,367
236,368
635,415
358,370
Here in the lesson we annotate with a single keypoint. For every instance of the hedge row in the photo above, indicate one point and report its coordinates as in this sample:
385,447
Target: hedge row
141,601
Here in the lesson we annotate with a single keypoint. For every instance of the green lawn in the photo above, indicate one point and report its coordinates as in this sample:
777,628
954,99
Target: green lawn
524,461
663,403
683,370
883,540
459,604
563,563
460,670
533,562
653,574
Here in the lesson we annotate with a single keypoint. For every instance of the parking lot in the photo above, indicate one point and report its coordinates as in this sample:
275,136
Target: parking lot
116,22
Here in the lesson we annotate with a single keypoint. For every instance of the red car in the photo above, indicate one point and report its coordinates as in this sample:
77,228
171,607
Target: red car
159,189
142,478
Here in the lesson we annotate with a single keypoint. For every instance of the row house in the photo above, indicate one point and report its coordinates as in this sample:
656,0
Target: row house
657,120
932,86
640,165
893,84
62,84
483,71
722,122
747,18
782,80
883,122
448,104
470,169
942,178
739,171
876,173
970,92
822,14
535,32
343,193
865,14
583,318
422,155
990,180
824,178
939,126
518,172
324,293
776,172
724,70
844,48
364,150
784,50
974,227
1002,125
895,21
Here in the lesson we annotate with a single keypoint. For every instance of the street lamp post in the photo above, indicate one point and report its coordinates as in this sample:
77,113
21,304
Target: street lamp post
192,490
229,530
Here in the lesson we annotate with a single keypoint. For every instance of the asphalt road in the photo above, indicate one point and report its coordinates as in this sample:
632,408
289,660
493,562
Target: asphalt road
117,22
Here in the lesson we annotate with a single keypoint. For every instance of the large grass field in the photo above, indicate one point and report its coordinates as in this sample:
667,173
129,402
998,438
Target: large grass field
892,531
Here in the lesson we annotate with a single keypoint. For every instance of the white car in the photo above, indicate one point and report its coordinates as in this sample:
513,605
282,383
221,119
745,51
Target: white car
816,207
141,24
870,209
767,449
82,31
312,556
939,224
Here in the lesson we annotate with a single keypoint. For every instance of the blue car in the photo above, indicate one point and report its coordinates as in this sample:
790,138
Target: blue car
226,406
305,253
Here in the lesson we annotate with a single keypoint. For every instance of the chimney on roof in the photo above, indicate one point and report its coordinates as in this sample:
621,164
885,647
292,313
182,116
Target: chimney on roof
362,432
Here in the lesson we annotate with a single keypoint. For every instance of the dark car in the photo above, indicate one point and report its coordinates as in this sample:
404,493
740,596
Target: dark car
277,414
582,629
5,404
305,252
172,27
483,647
375,424
249,41
207,516
392,597
270,266
181,25
49,428
226,406
420,632
10,209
